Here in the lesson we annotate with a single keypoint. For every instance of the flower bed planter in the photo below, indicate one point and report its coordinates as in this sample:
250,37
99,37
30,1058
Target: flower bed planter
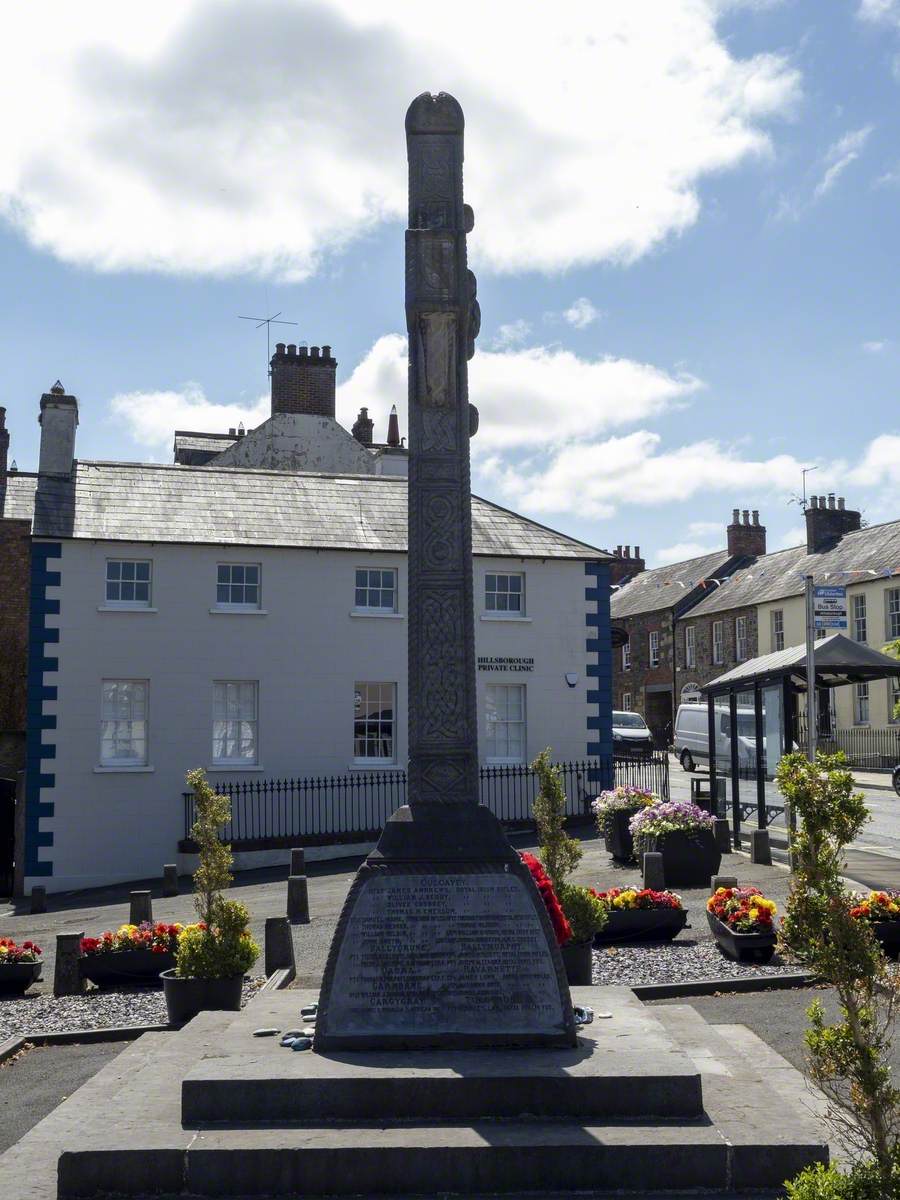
187,997
578,960
641,925
17,977
742,947
689,859
126,967
621,843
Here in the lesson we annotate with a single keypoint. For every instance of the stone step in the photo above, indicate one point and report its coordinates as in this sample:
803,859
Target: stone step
624,1068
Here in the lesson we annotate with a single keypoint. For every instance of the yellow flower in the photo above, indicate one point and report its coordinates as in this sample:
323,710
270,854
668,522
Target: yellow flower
754,914
3,951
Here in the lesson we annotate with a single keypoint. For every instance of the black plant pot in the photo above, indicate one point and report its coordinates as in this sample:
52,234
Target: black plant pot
578,961
126,967
742,947
186,997
689,859
888,934
17,977
641,925
621,843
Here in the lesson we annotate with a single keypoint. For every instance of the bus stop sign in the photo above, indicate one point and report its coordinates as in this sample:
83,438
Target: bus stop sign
830,607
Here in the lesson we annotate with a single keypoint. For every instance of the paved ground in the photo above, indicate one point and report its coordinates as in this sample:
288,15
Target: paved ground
36,1081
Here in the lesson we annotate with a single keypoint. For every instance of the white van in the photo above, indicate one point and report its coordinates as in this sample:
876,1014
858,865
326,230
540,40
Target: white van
692,735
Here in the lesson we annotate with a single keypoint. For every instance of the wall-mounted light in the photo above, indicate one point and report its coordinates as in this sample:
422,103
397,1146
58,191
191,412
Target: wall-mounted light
571,678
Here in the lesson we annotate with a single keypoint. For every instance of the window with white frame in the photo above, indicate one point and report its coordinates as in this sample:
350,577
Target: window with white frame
504,593
235,738
718,642
626,702
376,590
861,704
740,638
892,613
893,701
690,646
822,633
654,647
626,656
123,722
777,628
238,585
860,630
128,582
374,719
505,713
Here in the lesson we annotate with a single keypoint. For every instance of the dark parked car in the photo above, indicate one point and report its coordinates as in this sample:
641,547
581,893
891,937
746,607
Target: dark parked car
631,737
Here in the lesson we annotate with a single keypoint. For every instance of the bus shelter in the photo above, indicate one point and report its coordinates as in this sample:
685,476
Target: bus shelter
753,714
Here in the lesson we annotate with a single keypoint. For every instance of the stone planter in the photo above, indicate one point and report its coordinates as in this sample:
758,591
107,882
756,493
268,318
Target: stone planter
641,925
742,947
17,977
689,859
578,961
120,967
621,843
187,997
888,934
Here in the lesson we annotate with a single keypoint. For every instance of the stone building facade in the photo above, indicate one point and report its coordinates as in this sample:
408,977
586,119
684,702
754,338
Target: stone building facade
15,558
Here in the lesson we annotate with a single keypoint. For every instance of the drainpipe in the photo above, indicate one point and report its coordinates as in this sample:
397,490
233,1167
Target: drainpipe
674,676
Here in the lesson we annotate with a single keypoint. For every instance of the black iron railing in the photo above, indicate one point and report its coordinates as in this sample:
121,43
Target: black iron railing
326,809
866,748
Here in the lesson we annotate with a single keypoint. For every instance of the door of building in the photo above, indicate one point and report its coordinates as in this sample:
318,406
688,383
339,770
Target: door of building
7,834
658,715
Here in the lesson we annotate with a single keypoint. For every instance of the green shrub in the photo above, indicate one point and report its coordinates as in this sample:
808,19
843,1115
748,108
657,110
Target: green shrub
559,853
220,952
862,1182
585,912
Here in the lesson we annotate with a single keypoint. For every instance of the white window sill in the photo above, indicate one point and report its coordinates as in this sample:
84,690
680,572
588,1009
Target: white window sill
237,611
504,762
124,769
374,612
129,608
506,617
219,767
375,765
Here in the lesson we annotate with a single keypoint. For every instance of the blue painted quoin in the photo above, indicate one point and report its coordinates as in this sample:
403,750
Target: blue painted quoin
37,778
599,671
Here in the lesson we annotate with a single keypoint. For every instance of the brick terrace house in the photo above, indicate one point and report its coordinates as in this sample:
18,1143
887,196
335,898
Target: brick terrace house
654,668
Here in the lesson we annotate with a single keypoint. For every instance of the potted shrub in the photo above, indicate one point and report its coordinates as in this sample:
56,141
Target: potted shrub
587,915
742,922
133,954
881,911
20,966
640,915
684,835
214,955
613,811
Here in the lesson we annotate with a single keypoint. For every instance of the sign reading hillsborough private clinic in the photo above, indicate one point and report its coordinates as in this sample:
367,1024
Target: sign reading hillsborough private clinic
505,664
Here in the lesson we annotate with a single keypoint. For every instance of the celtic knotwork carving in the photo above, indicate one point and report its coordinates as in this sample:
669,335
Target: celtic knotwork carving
441,543
438,431
442,675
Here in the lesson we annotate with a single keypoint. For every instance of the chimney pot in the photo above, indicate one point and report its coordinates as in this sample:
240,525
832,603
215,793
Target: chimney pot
735,516
314,352
279,347
756,516
303,351
746,516
291,349
619,550
841,503
831,500
326,352
57,389
637,552
393,433
232,432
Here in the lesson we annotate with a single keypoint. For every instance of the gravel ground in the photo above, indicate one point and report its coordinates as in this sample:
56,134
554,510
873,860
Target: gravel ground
96,1009
680,961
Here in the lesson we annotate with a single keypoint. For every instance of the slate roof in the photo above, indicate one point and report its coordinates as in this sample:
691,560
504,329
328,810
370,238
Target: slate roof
858,556
664,587
203,441
838,660
182,504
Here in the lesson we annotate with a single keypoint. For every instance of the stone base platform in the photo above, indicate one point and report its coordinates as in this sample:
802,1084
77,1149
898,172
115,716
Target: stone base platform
123,1133
627,1068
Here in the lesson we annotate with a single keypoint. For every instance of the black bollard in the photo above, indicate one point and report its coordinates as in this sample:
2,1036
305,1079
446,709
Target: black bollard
39,899
170,880
67,979
141,908
654,875
298,900
298,861
279,944
718,881
760,848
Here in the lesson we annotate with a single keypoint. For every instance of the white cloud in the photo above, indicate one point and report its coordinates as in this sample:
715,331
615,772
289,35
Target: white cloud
581,313
873,347
514,333
151,418
527,398
209,136
879,11
880,465
795,536
840,155
679,551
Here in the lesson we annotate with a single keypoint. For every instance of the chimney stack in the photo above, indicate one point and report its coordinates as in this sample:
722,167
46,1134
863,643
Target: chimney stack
624,564
58,420
827,524
303,380
393,433
746,540
363,428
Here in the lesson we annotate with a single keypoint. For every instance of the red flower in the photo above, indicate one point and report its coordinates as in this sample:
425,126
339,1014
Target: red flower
558,919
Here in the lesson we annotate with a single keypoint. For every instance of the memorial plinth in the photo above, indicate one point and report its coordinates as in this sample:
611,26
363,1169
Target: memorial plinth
444,940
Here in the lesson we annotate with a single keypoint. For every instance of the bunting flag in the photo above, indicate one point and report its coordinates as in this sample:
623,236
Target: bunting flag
720,581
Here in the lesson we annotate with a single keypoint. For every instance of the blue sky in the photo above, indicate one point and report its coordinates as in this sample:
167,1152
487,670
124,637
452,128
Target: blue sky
686,238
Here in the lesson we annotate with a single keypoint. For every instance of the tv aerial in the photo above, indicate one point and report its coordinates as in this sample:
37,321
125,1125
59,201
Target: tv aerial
268,322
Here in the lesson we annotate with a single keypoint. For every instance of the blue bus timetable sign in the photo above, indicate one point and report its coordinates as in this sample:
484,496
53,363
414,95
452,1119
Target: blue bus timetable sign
830,607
